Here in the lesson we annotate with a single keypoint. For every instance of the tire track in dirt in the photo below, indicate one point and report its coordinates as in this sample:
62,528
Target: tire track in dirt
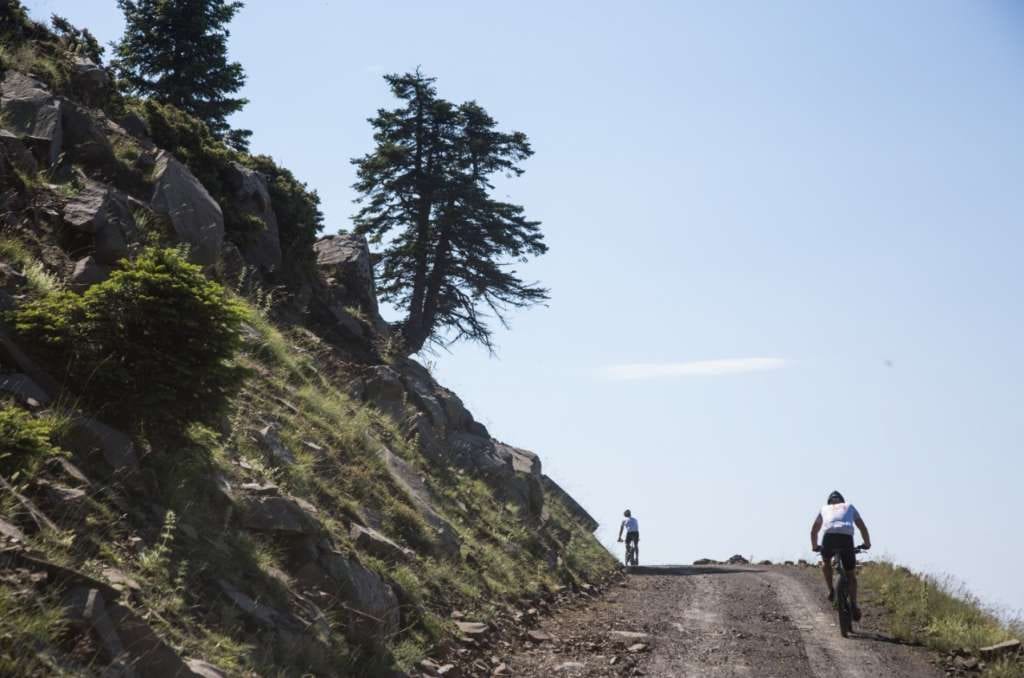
714,622
864,654
828,653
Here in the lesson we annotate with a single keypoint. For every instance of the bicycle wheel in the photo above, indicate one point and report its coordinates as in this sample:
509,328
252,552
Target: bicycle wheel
845,621
843,610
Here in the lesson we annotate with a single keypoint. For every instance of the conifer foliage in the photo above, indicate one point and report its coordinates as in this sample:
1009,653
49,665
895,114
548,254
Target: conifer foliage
426,196
175,51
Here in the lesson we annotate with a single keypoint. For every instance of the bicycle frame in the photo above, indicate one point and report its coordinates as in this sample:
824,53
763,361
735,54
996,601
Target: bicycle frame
844,608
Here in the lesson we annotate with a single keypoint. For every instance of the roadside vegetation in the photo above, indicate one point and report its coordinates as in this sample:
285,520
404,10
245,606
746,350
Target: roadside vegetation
939,614
193,371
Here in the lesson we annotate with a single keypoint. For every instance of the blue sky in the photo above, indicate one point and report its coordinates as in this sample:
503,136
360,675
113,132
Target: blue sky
824,199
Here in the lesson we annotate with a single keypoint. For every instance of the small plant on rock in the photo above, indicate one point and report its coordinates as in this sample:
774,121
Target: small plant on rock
25,441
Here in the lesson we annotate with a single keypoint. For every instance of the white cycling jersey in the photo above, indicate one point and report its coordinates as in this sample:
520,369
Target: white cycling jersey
839,518
631,525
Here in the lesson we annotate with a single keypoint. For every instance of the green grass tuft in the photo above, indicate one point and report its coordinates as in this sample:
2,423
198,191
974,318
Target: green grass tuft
937,613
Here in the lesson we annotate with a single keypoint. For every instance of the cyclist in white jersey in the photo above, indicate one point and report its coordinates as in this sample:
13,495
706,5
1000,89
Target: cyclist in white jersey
632,529
838,518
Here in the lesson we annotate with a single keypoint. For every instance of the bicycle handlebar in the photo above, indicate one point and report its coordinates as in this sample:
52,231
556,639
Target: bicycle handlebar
856,549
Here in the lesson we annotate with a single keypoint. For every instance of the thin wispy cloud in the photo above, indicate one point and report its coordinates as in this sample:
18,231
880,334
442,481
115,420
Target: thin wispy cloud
697,368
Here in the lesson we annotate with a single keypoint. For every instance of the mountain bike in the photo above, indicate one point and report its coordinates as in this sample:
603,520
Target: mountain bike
631,554
842,604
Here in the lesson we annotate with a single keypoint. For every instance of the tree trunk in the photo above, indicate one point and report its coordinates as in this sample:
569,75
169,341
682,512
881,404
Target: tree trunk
417,335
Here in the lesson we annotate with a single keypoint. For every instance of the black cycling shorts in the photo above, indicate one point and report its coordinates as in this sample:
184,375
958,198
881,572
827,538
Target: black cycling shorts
843,544
633,537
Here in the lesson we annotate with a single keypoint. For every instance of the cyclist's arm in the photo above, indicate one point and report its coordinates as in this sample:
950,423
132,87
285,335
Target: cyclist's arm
622,526
863,531
815,529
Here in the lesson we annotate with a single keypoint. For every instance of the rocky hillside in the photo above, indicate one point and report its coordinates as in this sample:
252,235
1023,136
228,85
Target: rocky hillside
212,462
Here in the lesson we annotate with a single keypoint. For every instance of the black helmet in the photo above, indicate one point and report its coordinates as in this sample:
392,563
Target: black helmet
836,498
627,513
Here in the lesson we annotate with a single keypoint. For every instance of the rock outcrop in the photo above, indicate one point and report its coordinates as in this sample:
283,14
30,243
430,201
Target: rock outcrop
91,81
261,248
103,213
345,503
88,272
345,263
345,269
447,432
195,216
31,113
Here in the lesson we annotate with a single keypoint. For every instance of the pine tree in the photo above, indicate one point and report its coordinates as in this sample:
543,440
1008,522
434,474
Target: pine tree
77,40
426,195
175,51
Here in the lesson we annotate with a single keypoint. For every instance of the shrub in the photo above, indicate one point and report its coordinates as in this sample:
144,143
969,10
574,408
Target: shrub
151,342
14,21
191,142
295,205
76,40
24,440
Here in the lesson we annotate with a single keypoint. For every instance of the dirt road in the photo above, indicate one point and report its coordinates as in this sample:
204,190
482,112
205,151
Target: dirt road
718,622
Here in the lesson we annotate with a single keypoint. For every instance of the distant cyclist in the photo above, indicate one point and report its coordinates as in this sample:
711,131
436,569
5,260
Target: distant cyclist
839,518
632,529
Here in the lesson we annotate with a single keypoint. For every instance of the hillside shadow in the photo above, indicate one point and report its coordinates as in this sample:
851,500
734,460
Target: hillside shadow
687,570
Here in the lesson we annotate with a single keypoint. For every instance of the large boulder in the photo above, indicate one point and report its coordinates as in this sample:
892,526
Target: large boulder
376,544
86,436
264,509
105,213
85,138
89,80
195,216
16,156
88,272
345,263
515,474
127,641
520,460
30,112
373,610
412,482
23,389
423,392
261,249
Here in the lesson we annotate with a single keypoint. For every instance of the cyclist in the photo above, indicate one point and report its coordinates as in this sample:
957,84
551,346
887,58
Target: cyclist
632,530
839,518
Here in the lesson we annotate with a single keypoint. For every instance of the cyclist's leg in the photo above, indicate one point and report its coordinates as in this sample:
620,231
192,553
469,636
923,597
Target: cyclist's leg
634,539
826,569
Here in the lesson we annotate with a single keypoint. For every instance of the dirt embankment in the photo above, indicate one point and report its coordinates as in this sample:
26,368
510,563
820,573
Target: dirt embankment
715,621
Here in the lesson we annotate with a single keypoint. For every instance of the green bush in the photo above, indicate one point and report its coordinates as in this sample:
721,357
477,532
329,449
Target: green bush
191,142
296,206
14,21
152,342
24,440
